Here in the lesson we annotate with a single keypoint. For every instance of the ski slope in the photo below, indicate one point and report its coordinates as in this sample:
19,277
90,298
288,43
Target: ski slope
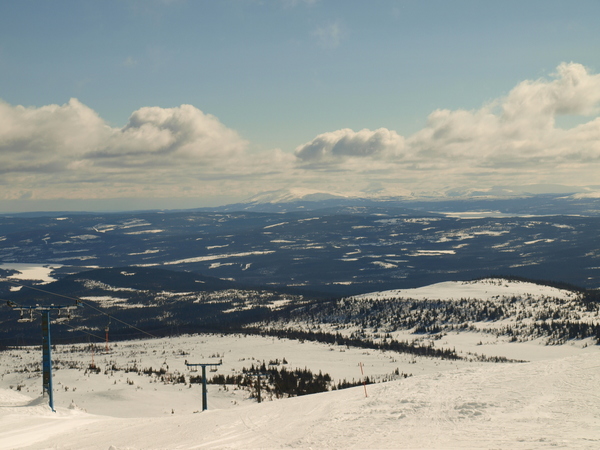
545,404
552,401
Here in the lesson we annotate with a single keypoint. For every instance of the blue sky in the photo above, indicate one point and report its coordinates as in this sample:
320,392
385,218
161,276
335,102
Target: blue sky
339,96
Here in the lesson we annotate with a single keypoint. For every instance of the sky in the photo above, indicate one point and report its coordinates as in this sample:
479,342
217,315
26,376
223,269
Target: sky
131,104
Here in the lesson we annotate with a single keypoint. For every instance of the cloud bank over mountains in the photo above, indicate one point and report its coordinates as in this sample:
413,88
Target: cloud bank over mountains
68,151
514,137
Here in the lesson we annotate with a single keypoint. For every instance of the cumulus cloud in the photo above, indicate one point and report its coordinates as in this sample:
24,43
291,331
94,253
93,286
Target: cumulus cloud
43,139
57,137
345,143
68,150
519,129
515,136
573,91
170,136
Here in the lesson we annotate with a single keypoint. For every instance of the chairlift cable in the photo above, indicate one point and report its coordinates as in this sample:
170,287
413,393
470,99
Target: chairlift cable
77,329
76,299
92,307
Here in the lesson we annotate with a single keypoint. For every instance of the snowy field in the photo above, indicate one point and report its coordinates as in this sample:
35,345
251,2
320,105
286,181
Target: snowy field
485,289
551,402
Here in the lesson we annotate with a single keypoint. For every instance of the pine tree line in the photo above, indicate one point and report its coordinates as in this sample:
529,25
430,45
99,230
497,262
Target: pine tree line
357,341
275,381
558,319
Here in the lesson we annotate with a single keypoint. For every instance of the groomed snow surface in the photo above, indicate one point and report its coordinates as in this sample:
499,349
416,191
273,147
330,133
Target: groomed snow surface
548,403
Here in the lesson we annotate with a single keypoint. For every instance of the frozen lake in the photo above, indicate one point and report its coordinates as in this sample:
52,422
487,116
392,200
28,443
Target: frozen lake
31,271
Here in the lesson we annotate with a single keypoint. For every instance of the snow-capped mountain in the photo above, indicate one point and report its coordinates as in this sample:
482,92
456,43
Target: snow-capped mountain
511,200
293,195
300,194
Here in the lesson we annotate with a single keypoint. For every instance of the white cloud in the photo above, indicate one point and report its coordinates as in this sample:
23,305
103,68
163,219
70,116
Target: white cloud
513,138
519,129
69,151
57,137
337,145
573,91
44,139
170,136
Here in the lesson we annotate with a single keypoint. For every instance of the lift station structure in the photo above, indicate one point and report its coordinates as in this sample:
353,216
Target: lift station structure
204,366
46,342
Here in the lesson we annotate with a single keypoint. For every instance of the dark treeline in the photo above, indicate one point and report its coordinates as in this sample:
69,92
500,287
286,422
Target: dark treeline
274,381
551,283
558,331
359,342
526,316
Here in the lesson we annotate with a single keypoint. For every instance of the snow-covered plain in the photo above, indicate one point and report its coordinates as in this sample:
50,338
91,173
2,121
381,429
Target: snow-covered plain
551,401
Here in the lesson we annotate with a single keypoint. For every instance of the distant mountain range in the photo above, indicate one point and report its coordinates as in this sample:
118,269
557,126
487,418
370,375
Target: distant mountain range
305,195
516,200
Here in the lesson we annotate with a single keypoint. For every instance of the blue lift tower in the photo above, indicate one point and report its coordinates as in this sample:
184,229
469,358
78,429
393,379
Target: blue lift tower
46,343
